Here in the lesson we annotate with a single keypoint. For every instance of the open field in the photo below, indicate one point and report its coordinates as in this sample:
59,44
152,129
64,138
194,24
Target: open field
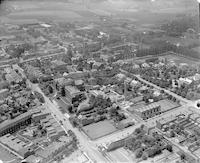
5,156
97,130
167,105
179,60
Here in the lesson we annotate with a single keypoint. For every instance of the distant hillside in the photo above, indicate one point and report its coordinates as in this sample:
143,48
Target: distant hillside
178,26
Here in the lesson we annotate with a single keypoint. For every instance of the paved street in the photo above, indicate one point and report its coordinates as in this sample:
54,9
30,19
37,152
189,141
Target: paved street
187,102
90,147
85,144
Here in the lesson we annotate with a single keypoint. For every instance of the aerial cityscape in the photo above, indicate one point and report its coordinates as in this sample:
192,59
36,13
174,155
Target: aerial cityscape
100,81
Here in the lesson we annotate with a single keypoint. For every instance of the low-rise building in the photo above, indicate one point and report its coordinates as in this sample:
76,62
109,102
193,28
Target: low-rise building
12,76
3,93
13,125
184,81
54,130
164,121
76,75
71,92
149,111
24,149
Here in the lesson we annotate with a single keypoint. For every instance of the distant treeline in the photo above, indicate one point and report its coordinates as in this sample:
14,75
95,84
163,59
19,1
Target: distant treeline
180,25
163,47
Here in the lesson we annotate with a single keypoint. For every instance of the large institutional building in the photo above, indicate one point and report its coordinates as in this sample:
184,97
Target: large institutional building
149,111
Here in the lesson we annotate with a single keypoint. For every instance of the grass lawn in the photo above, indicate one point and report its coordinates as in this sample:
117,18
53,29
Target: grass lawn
99,129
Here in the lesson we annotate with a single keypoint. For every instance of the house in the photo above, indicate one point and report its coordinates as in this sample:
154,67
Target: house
164,121
135,83
75,75
136,66
120,76
145,65
59,66
184,81
64,82
196,77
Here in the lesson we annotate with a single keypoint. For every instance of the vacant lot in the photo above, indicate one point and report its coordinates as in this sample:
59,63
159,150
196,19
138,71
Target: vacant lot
99,129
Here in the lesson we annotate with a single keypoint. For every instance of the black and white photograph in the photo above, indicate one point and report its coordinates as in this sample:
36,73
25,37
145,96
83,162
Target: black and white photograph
99,81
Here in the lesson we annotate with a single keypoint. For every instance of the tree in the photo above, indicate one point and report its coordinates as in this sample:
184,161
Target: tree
43,132
172,134
169,148
39,127
67,59
144,157
39,96
137,144
100,81
139,153
69,51
70,109
182,156
50,89
18,51
34,133
138,130
113,111
57,86
63,93
37,63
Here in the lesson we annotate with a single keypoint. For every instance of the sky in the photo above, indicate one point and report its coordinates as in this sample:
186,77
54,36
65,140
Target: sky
150,4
